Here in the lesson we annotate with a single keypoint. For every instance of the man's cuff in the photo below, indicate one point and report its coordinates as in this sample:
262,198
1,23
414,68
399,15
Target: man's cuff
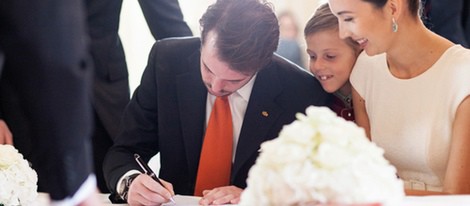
115,197
119,188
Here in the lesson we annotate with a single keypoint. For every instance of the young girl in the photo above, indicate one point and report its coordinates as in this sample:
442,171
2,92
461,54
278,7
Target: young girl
331,59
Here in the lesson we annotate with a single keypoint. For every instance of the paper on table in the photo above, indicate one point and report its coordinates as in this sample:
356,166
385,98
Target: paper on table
184,200
441,200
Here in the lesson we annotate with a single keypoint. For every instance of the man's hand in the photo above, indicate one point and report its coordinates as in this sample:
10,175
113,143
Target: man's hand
5,135
146,191
221,195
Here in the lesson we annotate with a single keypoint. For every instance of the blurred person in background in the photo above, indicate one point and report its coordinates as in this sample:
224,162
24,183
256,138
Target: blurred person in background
111,80
289,46
43,56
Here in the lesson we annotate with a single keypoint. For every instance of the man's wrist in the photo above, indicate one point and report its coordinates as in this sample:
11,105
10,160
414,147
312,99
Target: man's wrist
125,185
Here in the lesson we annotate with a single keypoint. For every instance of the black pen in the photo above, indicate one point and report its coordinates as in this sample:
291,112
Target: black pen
150,172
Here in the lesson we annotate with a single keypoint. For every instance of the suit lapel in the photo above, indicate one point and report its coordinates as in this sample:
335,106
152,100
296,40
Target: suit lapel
192,96
262,112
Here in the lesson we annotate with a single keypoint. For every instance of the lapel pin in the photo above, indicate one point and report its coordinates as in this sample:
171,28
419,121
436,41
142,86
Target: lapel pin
265,113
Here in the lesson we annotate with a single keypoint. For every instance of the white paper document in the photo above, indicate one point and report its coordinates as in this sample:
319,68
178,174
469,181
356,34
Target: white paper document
185,200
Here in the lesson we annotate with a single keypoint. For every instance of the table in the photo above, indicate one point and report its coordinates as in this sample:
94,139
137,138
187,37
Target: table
438,200
43,200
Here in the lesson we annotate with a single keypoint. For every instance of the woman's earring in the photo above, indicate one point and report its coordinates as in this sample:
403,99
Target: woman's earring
394,25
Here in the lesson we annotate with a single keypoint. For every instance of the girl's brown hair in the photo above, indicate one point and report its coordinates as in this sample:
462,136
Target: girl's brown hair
323,19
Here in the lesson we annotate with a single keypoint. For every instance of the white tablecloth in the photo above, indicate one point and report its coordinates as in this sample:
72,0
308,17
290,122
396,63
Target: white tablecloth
43,200
441,200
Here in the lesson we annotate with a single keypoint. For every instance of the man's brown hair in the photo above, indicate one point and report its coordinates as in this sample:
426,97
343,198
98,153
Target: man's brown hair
247,32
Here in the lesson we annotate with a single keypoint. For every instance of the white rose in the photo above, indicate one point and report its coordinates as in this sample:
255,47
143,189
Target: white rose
8,157
18,181
321,158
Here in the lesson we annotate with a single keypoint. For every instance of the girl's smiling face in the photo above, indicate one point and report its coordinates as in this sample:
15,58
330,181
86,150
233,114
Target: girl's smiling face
331,60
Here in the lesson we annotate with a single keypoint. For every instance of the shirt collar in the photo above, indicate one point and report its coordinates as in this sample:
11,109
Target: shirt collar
245,91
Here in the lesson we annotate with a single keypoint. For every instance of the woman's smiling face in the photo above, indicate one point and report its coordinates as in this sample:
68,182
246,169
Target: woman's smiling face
369,26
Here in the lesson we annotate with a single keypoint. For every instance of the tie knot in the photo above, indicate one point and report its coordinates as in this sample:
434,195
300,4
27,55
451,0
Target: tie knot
223,98
222,102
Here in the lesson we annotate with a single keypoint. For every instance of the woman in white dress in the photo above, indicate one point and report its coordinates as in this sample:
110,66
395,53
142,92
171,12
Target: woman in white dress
411,92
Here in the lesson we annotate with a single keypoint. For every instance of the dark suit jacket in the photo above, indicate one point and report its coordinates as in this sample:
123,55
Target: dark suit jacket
46,66
466,20
450,19
167,114
111,84
164,18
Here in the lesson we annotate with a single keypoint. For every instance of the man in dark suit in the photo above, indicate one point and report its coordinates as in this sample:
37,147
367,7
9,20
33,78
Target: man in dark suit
169,110
466,20
45,60
111,84
450,19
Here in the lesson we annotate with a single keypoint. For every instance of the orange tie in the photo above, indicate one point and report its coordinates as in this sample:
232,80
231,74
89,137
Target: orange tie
216,155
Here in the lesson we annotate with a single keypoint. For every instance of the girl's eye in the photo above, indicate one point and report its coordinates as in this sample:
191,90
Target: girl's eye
330,56
312,57
349,19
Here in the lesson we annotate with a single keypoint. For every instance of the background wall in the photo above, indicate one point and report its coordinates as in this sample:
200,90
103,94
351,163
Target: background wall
137,39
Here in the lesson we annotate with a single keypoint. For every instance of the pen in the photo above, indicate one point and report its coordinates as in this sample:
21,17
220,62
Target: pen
149,172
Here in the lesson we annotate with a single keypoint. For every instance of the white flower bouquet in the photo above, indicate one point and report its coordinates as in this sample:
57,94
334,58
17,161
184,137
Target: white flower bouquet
322,159
18,181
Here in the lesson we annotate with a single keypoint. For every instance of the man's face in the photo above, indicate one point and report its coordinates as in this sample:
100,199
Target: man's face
217,75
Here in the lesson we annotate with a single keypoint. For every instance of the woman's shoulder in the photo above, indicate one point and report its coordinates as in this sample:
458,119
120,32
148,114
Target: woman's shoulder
458,54
455,67
456,60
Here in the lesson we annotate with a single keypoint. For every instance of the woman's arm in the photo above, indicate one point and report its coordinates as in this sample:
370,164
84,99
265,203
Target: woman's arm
360,112
457,179
422,193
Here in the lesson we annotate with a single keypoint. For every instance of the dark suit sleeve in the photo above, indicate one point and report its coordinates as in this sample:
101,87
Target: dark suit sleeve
164,18
45,50
139,130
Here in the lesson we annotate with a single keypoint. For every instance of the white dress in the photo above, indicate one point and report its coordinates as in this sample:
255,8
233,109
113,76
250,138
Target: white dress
412,118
